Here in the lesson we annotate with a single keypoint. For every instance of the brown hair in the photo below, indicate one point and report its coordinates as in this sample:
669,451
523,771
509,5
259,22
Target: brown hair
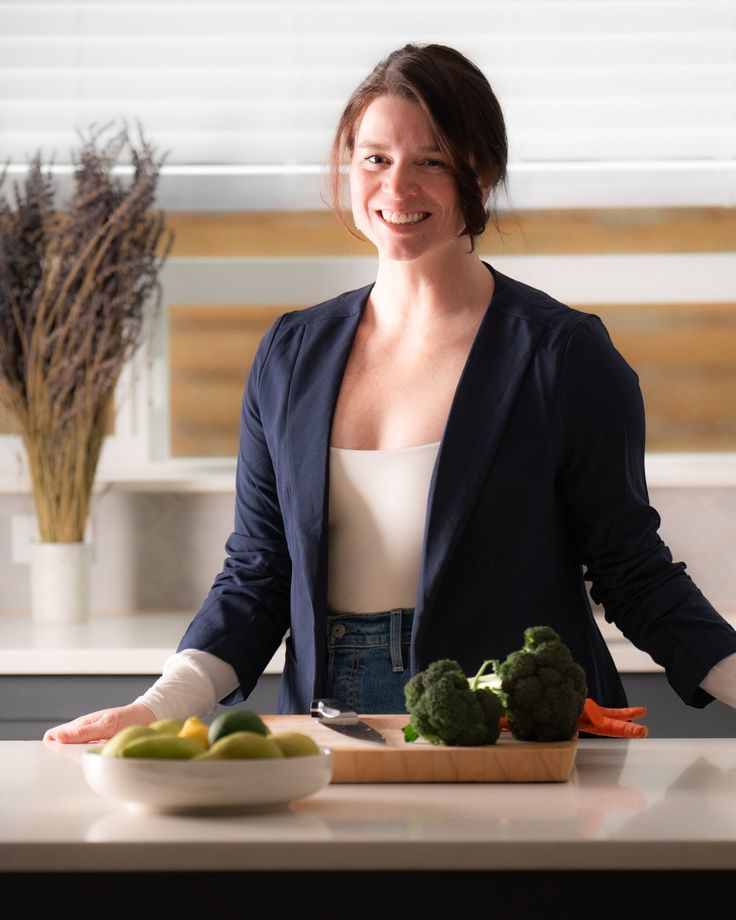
462,109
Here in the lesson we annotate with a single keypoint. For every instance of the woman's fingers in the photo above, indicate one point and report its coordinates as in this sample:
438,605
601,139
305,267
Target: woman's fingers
96,726
100,725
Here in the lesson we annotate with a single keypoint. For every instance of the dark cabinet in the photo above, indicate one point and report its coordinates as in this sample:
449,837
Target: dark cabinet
31,704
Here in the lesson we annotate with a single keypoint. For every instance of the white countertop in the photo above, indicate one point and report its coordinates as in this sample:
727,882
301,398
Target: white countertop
140,643
643,804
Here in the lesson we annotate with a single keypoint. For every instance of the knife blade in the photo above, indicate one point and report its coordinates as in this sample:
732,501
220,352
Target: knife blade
340,717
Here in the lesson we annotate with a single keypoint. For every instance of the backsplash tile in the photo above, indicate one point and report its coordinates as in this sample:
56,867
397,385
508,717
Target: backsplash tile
156,551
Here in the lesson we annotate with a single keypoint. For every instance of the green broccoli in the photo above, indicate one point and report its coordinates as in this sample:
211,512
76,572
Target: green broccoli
445,710
543,689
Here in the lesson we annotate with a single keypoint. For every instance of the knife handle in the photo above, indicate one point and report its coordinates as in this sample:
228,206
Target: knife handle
331,710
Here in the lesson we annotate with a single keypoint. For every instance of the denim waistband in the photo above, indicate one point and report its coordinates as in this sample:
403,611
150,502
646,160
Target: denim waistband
390,628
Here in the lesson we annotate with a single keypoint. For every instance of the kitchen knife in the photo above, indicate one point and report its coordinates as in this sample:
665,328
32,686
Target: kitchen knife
343,719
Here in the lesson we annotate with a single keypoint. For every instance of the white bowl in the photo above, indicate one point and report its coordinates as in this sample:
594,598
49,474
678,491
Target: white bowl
190,786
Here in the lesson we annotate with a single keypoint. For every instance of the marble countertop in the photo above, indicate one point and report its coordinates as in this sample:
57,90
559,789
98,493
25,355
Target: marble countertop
646,804
140,643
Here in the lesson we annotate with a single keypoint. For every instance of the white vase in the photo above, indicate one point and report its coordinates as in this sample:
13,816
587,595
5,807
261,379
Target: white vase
59,582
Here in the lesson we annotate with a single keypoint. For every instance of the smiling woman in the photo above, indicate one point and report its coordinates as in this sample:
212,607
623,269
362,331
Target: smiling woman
438,108
496,428
404,197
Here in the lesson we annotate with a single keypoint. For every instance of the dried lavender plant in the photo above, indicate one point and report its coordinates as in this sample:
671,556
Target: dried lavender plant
77,292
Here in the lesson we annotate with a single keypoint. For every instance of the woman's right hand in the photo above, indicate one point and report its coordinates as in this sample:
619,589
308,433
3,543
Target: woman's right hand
100,725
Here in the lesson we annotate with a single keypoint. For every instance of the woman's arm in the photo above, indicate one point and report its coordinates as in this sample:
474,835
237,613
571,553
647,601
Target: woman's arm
651,599
247,612
191,684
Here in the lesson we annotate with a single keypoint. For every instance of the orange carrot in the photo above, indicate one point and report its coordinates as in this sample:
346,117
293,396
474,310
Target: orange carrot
614,723
602,720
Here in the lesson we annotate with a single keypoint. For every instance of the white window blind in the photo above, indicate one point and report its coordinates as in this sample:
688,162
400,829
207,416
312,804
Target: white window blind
606,102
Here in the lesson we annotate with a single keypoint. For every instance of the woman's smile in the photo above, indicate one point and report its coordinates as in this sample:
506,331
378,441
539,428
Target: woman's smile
403,217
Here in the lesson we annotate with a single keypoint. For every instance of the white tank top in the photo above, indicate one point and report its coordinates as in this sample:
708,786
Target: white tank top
378,505
377,511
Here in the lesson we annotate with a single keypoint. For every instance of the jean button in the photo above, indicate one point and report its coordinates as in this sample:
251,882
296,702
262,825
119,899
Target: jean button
337,630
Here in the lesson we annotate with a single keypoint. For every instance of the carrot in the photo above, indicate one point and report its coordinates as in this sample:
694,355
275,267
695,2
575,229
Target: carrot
614,723
632,712
602,720
613,728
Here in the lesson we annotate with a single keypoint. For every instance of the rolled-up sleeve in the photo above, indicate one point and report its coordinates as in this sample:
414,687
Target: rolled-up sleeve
650,598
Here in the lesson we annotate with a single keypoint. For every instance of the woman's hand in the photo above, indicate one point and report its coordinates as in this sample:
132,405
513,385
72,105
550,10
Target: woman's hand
100,725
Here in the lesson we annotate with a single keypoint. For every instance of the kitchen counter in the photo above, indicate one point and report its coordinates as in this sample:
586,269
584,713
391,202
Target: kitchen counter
644,804
635,809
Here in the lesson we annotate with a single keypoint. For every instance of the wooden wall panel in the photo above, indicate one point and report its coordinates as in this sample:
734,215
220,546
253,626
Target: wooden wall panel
211,349
537,232
683,354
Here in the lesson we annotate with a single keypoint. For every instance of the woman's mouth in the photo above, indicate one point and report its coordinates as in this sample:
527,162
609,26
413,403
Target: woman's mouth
403,217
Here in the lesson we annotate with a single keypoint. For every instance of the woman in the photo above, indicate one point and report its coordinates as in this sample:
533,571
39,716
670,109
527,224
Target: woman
457,444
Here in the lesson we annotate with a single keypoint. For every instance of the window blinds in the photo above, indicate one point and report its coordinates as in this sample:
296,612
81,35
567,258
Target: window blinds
622,102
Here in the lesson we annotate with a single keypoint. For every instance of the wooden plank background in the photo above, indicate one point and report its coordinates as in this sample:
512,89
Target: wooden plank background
683,353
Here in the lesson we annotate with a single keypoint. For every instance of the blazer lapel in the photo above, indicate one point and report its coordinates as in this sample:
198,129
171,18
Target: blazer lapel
485,395
318,372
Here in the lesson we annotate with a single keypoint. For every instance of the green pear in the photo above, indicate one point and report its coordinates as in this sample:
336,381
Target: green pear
114,747
242,745
158,746
167,726
295,744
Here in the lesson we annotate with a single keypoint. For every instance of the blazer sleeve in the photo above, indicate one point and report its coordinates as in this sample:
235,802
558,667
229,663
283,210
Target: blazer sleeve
650,598
247,610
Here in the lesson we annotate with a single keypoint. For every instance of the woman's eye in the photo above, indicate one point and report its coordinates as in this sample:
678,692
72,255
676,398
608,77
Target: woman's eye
376,158
435,164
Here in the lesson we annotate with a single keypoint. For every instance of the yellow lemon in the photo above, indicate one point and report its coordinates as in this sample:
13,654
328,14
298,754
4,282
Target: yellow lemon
195,728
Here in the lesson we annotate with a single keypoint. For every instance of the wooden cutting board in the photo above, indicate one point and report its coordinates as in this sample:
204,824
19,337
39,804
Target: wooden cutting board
507,761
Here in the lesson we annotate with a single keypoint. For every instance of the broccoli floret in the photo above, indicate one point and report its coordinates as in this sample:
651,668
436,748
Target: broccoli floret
543,688
445,710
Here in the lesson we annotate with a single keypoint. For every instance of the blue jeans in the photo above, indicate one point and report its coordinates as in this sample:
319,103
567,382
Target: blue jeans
368,659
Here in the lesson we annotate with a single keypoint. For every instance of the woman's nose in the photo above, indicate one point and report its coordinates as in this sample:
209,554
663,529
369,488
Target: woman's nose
399,181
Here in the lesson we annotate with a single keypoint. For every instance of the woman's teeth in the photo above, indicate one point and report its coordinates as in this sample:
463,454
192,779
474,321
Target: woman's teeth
403,217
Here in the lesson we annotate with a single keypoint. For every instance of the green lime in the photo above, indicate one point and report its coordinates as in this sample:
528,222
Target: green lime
240,720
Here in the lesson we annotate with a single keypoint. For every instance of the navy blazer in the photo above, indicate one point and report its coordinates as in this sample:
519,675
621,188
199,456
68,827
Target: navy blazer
538,486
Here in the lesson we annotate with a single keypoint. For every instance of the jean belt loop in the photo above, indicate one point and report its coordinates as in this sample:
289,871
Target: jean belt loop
396,660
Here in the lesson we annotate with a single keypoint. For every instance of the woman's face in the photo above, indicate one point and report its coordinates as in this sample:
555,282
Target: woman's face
403,193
